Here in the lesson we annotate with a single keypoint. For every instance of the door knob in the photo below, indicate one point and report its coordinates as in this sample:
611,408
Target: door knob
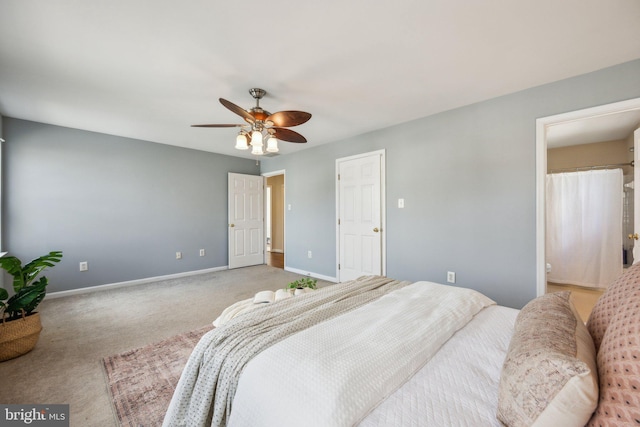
232,225
633,236
375,230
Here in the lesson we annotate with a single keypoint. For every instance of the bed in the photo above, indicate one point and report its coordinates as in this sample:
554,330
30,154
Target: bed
380,352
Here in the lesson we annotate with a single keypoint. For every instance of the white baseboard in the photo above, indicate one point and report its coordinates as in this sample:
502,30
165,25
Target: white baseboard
307,273
97,288
280,251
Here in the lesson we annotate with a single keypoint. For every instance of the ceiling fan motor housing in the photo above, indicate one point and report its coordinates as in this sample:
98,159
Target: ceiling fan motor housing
257,111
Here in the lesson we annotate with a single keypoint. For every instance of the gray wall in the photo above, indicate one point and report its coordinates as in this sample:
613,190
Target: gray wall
125,206
467,177
468,180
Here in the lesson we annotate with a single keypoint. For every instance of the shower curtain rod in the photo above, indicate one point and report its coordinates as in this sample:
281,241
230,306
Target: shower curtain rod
583,168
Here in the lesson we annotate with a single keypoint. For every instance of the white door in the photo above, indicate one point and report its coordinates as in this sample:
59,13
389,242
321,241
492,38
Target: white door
636,194
246,225
360,216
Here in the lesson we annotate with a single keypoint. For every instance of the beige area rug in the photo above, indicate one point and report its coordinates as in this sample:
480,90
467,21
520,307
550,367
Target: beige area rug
142,381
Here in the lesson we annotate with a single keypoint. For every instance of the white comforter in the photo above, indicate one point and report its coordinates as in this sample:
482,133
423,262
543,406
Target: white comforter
335,373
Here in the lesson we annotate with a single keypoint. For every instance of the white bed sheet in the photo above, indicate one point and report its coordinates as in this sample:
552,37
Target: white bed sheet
459,385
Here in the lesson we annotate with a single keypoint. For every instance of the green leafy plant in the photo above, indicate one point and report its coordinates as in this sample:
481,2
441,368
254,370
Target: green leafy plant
305,282
29,292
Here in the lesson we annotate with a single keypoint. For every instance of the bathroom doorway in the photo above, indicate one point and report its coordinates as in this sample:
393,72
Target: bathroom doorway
274,219
581,142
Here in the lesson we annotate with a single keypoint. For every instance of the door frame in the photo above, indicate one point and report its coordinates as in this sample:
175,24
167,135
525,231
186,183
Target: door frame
383,207
266,175
635,253
541,172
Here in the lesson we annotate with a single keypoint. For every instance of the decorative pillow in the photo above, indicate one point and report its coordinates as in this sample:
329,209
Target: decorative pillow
619,367
607,305
549,376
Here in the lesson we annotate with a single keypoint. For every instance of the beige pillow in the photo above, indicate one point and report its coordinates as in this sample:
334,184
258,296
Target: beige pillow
549,377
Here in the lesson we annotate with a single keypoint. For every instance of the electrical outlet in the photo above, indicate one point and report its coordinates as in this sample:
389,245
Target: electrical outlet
178,255
400,203
84,266
451,277
201,252
309,254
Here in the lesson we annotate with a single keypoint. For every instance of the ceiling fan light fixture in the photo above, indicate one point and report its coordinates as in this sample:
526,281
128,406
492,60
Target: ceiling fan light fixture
241,142
257,150
261,126
272,144
256,138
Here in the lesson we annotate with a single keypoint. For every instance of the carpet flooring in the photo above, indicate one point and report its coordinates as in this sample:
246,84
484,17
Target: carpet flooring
80,330
142,381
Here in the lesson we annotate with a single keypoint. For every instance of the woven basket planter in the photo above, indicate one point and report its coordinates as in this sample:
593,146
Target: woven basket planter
19,336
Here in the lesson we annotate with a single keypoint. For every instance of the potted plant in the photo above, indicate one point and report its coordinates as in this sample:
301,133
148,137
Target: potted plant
305,282
21,326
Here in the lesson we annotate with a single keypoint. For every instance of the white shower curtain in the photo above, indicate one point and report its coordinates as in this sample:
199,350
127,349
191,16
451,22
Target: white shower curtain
584,227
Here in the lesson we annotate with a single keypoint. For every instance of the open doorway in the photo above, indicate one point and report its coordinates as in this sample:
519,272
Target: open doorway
274,219
587,147
588,212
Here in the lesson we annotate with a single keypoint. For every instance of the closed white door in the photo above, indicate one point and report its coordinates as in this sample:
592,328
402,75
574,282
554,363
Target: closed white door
360,217
246,223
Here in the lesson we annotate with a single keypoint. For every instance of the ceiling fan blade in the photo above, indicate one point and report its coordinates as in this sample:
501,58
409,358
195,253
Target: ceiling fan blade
288,135
288,118
216,126
238,110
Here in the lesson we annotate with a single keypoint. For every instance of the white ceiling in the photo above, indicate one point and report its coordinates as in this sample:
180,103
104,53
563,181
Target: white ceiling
148,69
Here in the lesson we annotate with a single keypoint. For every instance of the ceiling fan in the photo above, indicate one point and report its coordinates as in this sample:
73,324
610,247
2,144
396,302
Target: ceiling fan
263,125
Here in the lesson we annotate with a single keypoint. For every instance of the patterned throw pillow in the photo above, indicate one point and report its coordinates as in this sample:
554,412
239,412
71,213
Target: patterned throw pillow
619,367
549,376
607,306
